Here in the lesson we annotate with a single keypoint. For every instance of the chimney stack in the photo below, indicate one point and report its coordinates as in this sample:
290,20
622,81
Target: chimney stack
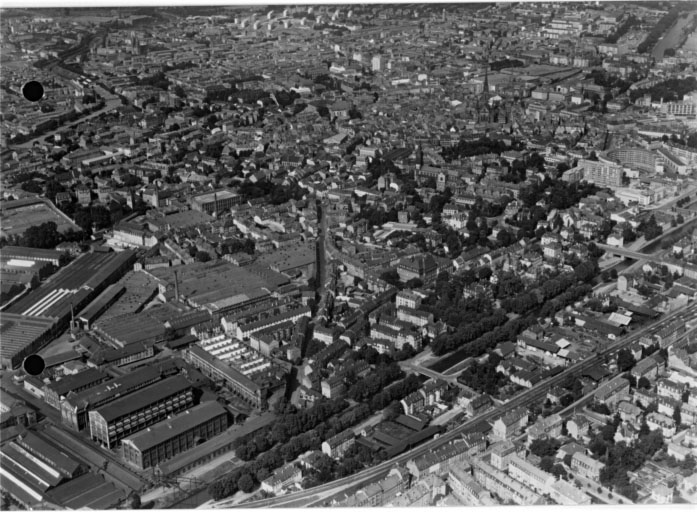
176,286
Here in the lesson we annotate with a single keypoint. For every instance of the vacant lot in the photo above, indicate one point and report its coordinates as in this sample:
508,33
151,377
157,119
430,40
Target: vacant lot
15,221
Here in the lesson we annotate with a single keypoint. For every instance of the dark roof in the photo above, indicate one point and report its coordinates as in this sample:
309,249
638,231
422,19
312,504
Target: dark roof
40,447
113,389
341,437
411,422
95,307
182,342
597,373
85,275
79,380
153,393
176,425
13,458
110,355
14,251
87,491
17,491
58,359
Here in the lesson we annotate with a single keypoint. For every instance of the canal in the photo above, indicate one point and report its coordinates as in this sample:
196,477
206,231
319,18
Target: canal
672,37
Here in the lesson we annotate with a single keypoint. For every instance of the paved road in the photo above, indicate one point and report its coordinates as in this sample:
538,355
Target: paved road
115,467
621,251
316,494
666,206
590,487
405,365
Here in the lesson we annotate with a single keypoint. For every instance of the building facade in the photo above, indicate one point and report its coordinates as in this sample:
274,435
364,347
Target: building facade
169,438
125,416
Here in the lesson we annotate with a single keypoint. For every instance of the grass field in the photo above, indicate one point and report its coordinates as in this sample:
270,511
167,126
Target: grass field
15,221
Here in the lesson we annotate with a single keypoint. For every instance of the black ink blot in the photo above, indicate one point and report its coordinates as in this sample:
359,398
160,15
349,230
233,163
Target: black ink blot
34,365
33,91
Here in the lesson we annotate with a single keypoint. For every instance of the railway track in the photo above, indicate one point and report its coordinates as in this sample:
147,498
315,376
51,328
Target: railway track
525,398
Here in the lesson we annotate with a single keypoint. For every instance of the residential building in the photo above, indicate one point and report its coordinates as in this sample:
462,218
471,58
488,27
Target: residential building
282,478
510,423
336,445
586,466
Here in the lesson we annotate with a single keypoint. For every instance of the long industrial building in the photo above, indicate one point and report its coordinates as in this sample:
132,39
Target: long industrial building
34,320
75,408
221,372
125,416
175,435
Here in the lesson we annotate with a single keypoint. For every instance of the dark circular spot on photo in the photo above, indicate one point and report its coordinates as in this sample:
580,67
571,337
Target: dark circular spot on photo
34,365
33,91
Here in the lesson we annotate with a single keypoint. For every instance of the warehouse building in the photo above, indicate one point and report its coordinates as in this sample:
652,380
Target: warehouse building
125,416
57,390
30,466
14,252
35,319
23,335
223,373
173,436
75,408
216,202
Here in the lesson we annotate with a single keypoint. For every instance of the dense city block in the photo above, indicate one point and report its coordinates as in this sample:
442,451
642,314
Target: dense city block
348,255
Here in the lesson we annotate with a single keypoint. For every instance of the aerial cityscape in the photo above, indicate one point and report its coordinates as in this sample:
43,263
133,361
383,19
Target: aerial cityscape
351,255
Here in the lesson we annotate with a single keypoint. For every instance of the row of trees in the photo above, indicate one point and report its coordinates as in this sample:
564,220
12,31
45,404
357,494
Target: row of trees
296,432
274,193
483,334
482,146
374,382
483,377
630,22
43,236
660,28
551,288
672,89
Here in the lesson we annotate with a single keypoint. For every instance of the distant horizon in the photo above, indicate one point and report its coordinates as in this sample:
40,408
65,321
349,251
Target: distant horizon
108,4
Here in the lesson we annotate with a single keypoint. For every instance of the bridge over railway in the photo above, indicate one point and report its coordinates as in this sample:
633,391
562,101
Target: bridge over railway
322,492
628,253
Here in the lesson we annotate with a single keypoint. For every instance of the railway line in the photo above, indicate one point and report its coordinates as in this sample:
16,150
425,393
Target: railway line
305,498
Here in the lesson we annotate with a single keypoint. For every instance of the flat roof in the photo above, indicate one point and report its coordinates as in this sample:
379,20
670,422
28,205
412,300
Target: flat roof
176,425
211,196
226,369
211,282
291,257
145,396
20,263
131,328
15,251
